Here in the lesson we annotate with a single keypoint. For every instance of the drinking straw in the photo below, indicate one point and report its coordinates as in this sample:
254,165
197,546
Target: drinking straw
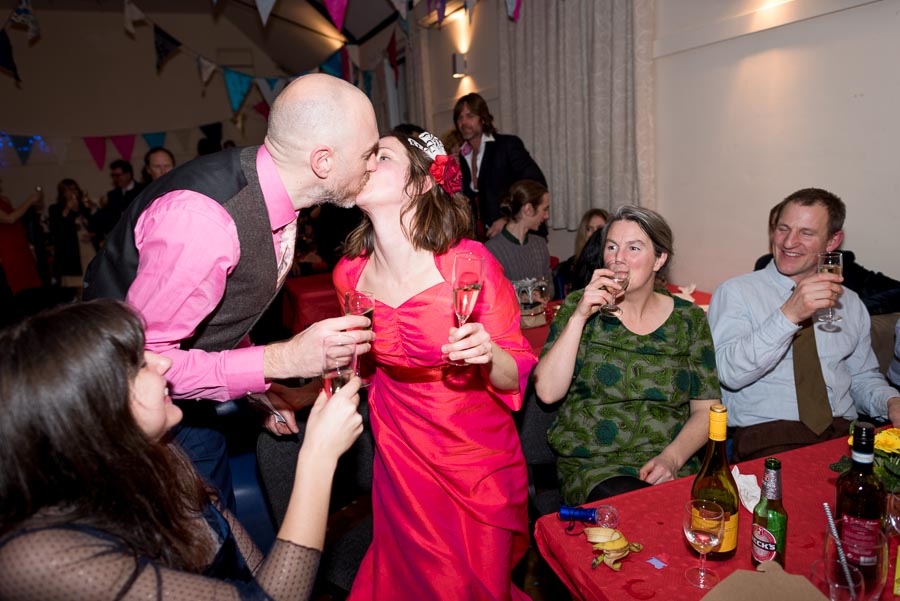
840,550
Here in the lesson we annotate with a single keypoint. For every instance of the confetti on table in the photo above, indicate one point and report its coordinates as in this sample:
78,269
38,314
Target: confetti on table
656,563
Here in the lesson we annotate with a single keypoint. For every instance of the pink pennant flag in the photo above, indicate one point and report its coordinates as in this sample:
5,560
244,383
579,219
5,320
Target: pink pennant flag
337,9
96,145
124,144
513,7
262,108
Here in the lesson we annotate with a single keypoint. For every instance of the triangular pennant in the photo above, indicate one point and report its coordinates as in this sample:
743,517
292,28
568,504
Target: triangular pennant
165,45
346,67
264,7
183,137
392,56
132,15
155,139
262,108
237,84
96,145
7,63
336,10
512,9
270,87
332,65
22,146
400,7
441,9
470,8
124,144
59,147
206,68
24,15
213,131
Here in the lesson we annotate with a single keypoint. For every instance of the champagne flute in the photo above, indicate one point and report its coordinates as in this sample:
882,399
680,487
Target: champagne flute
467,279
620,276
338,362
360,302
704,525
866,549
830,263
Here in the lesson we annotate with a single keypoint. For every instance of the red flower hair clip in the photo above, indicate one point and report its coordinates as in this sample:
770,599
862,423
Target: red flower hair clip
444,168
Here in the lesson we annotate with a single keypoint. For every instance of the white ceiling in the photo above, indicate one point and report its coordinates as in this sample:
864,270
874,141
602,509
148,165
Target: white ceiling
299,34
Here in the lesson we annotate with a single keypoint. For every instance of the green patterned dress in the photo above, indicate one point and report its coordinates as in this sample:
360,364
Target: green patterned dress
629,396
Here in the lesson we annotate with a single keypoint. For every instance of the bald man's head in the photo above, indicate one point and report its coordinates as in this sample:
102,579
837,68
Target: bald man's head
321,134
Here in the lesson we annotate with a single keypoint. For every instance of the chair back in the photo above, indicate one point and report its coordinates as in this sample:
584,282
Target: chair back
533,421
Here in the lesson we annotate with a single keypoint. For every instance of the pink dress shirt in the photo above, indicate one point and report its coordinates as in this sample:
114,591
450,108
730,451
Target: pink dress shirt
188,245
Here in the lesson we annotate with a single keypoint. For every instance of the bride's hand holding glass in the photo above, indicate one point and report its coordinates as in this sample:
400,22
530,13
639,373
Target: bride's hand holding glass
469,344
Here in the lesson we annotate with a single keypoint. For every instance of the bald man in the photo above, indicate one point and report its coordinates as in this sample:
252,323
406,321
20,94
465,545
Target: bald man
204,249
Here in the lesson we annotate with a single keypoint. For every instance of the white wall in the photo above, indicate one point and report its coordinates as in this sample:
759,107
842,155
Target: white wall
744,121
86,77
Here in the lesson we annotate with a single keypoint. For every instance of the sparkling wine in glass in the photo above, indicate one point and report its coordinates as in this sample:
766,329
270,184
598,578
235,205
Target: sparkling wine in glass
467,279
620,276
704,524
830,263
338,362
360,302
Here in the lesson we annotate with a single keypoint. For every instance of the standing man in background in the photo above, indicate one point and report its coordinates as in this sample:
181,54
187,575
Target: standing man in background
205,248
491,163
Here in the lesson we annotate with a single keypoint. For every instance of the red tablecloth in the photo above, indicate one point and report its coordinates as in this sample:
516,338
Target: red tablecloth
309,299
652,517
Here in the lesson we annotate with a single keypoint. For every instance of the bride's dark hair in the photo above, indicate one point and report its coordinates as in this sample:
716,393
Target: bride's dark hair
73,452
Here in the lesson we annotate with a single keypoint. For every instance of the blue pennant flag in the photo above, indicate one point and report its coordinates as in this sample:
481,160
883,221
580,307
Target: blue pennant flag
7,62
238,85
332,65
23,145
155,139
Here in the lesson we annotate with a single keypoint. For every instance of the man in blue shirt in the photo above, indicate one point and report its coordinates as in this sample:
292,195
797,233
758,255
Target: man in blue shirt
755,317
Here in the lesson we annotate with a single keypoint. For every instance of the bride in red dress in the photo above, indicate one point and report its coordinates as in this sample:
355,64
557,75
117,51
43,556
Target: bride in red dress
450,486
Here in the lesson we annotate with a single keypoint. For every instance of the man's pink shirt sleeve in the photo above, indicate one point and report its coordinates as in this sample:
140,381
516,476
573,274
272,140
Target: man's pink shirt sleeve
188,245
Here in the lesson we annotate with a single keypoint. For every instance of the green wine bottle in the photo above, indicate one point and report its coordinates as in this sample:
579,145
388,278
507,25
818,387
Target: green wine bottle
714,482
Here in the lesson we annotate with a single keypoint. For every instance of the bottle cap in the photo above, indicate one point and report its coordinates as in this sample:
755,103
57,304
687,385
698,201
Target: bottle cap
864,437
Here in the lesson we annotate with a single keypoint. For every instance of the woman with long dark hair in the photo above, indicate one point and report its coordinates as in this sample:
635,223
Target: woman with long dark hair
97,503
450,486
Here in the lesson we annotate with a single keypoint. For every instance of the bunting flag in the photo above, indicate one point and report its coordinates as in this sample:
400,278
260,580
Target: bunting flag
7,63
512,9
392,55
206,68
441,9
264,7
238,85
470,8
124,144
262,108
165,46
22,145
24,15
400,7
270,87
96,145
132,15
336,10
155,139
213,131
332,65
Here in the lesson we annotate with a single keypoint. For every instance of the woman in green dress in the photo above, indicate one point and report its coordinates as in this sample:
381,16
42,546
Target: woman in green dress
637,385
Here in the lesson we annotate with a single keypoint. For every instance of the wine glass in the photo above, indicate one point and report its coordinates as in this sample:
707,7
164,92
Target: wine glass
867,550
467,279
704,525
892,514
830,577
620,276
338,362
830,263
360,302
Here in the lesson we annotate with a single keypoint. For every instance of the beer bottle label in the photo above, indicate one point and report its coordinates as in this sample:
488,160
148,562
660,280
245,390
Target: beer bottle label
764,544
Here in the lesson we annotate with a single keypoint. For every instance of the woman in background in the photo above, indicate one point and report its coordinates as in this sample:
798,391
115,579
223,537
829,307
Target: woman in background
569,275
96,502
638,386
450,488
71,235
16,258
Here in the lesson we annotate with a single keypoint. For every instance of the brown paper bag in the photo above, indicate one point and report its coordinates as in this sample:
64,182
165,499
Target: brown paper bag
769,582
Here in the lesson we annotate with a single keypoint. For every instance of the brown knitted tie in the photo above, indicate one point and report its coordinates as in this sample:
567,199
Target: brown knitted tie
812,397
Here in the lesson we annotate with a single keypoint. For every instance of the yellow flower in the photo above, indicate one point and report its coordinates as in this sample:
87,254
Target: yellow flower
888,441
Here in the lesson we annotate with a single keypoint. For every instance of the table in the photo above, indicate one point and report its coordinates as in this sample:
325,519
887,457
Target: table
652,517
309,299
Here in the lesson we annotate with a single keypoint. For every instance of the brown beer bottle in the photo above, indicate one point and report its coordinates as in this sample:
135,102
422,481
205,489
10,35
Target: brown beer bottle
714,482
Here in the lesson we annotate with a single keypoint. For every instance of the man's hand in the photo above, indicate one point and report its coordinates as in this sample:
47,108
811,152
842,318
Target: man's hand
286,401
818,291
301,356
893,405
